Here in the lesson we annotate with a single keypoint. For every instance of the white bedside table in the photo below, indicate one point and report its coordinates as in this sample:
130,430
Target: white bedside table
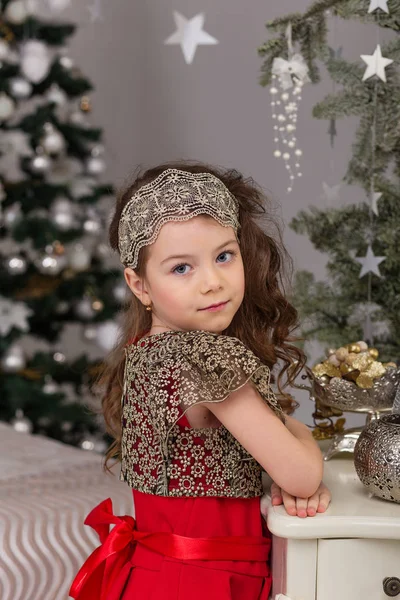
343,554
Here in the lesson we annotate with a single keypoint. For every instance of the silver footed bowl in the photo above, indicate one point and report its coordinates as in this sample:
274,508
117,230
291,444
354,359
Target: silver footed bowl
348,397
377,457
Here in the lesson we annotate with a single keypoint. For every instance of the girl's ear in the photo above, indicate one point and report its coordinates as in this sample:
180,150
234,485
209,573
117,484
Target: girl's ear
137,285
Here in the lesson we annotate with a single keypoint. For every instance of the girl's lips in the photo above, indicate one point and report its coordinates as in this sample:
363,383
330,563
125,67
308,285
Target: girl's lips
216,307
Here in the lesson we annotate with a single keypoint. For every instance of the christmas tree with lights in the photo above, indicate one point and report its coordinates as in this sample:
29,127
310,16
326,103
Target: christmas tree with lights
53,259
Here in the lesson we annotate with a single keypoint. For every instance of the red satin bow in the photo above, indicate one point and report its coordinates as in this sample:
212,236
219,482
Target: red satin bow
108,563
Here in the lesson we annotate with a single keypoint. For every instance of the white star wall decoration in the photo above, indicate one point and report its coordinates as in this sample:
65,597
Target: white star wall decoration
189,34
370,262
382,4
376,64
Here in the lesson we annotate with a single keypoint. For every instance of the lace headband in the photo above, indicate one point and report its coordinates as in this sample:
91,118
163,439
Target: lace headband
173,196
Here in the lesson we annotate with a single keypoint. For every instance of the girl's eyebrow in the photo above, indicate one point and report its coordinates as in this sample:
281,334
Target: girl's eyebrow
182,256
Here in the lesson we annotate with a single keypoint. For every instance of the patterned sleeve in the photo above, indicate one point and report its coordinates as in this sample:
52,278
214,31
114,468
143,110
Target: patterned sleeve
206,367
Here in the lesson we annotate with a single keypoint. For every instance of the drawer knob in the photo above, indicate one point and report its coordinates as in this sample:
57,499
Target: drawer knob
391,586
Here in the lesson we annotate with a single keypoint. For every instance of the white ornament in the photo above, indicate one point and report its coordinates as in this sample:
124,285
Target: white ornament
62,214
52,141
79,258
277,153
189,35
382,4
40,164
18,11
376,64
13,314
7,107
57,95
370,263
374,204
35,60
4,49
20,88
286,70
107,335
64,169
95,165
82,186
58,5
20,423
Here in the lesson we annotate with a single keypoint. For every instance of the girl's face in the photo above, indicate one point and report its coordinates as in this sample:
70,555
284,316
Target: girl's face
192,265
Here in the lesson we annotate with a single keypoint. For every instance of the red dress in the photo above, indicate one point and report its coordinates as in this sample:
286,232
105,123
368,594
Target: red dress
170,534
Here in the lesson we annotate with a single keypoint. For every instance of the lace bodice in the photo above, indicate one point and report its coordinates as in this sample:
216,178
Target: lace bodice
166,374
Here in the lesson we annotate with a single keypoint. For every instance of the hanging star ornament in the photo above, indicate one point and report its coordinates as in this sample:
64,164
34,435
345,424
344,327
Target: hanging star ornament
382,4
331,192
189,34
95,11
369,263
376,64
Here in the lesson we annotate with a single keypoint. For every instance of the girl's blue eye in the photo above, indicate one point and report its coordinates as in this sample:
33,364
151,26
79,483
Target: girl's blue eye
183,265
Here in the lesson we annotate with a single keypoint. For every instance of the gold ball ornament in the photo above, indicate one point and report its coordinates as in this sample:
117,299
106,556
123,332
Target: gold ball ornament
354,348
85,104
373,352
350,358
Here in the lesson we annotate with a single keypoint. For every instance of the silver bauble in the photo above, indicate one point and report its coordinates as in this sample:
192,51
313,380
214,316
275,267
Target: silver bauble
93,444
90,333
84,309
61,214
59,357
52,141
15,265
50,386
7,106
79,258
40,164
17,11
66,62
13,359
57,95
35,60
82,186
20,88
50,263
120,292
12,215
4,49
92,225
95,165
21,423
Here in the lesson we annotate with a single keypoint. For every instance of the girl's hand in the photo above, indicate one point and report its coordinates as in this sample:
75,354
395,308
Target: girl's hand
302,507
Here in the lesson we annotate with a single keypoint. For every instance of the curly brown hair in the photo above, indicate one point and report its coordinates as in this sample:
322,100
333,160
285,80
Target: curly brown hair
265,320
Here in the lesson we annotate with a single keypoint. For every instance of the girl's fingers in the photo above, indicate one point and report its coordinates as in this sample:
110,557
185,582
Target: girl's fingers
289,503
301,507
276,495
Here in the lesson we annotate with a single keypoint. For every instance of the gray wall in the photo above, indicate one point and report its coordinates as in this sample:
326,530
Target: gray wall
155,107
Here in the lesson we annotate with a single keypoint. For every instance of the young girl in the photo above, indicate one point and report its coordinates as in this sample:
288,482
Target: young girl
188,397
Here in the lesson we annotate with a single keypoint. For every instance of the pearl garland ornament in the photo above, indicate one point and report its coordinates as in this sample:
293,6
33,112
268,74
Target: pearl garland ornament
35,60
79,258
7,106
62,215
13,359
16,265
20,423
20,88
52,141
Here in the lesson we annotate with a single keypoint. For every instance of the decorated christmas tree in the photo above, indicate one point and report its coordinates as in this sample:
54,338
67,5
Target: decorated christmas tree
361,297
53,270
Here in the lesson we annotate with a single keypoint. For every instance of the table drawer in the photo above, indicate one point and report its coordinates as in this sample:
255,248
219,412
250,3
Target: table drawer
354,569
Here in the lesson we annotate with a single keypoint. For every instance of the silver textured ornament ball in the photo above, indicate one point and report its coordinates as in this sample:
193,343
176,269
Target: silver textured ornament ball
20,88
20,423
61,214
13,359
52,141
16,265
57,95
84,309
95,165
50,263
40,164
